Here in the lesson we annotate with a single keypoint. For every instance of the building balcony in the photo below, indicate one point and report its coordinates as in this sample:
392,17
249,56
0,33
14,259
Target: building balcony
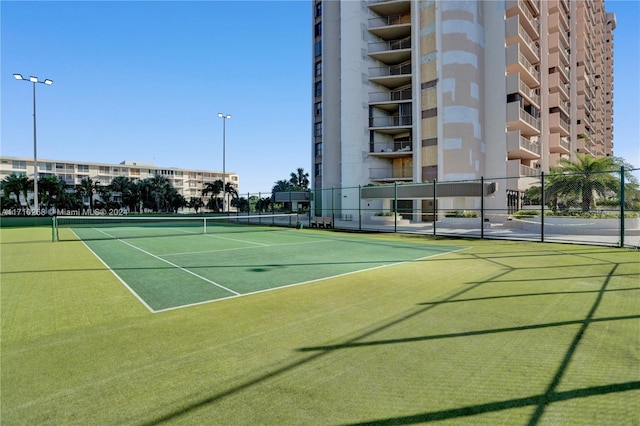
556,8
521,147
528,175
391,77
391,27
585,145
391,174
516,34
391,52
391,149
392,123
519,119
556,101
518,63
515,85
390,7
559,144
392,96
557,85
528,21
557,124
535,6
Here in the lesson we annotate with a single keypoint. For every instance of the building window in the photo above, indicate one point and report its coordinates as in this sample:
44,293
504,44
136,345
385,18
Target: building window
318,68
83,168
318,89
317,129
318,29
317,48
45,167
19,164
318,150
318,108
318,9
318,169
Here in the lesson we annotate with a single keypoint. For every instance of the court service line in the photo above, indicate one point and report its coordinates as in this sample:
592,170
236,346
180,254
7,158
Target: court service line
173,264
235,240
115,274
266,290
241,248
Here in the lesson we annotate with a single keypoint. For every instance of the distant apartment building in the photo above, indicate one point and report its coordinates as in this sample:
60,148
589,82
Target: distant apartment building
187,182
424,90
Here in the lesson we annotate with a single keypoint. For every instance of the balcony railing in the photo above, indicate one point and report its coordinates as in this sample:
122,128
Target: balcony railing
393,95
400,173
528,171
384,46
402,69
390,121
383,21
529,119
527,65
530,93
391,147
529,145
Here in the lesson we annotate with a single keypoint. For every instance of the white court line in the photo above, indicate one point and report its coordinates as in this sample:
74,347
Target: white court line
233,239
243,248
204,302
141,300
172,264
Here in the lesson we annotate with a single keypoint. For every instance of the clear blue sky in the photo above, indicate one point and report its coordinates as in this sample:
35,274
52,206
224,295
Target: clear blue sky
145,80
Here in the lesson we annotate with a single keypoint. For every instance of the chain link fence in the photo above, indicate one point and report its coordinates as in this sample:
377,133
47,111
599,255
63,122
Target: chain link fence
601,208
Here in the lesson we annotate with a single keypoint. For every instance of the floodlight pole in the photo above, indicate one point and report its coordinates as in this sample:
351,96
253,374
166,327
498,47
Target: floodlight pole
48,82
224,117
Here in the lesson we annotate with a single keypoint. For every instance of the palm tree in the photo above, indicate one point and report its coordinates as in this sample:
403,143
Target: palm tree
230,189
122,186
50,188
299,179
88,187
214,189
175,200
159,187
16,184
241,203
586,177
195,203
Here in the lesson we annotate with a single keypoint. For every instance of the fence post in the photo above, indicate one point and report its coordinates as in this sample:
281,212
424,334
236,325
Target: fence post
621,206
359,209
333,200
435,207
395,202
309,196
542,203
481,206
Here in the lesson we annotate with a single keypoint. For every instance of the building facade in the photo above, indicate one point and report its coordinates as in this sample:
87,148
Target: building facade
189,183
424,90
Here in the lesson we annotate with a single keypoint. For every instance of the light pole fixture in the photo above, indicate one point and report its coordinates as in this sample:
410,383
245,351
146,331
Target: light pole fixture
224,117
48,82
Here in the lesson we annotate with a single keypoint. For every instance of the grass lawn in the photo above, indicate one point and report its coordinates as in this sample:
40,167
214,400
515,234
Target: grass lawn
503,332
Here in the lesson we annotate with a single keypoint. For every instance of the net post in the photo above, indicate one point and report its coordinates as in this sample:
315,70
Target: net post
542,202
481,207
54,229
622,206
204,226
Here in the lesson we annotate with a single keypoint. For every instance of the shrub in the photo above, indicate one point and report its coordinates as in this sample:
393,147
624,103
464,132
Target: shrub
461,213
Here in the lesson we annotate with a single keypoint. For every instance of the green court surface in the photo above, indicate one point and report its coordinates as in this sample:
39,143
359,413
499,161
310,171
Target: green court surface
172,271
452,331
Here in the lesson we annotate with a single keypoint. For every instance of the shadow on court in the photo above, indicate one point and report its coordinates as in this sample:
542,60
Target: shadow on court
539,402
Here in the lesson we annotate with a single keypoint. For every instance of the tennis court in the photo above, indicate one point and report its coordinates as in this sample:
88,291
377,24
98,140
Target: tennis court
169,264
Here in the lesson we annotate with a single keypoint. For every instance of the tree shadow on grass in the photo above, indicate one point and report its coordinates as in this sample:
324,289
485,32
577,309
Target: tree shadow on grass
539,401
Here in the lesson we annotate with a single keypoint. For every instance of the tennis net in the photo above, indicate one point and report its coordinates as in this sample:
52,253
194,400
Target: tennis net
67,228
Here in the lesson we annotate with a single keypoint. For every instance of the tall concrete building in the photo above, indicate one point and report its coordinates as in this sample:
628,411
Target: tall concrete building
424,90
